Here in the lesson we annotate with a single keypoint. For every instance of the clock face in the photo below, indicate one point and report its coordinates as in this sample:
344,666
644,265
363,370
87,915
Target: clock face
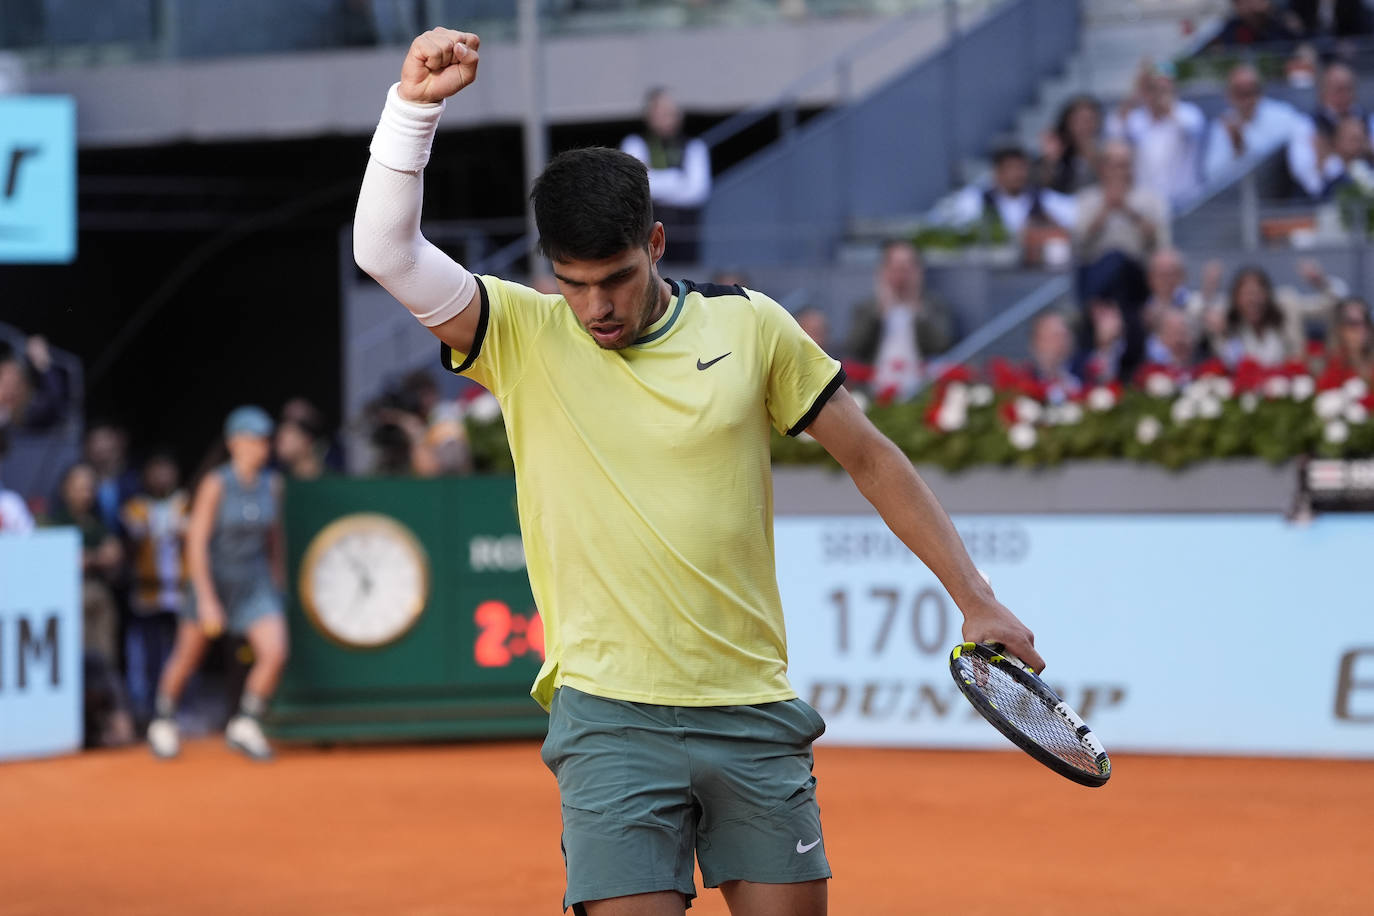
364,580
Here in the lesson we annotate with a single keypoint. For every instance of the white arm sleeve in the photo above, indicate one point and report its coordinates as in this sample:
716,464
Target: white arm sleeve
386,227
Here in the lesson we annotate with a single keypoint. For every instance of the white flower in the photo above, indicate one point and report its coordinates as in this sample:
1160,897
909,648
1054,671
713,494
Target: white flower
1248,402
1197,389
1208,407
1330,403
1028,410
1022,435
1222,386
1362,175
1101,398
980,395
1277,386
1355,388
1148,430
862,400
952,415
485,408
1070,413
1159,385
1356,413
957,392
1336,432
1183,410
1303,386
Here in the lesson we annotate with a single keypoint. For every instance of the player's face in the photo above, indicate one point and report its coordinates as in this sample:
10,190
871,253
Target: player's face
616,298
250,450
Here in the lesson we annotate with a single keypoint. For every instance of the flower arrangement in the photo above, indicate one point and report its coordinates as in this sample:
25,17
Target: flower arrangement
1004,416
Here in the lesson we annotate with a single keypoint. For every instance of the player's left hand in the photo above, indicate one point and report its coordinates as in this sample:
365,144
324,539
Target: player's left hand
991,622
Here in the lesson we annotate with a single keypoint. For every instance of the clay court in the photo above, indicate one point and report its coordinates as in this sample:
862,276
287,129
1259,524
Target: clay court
474,829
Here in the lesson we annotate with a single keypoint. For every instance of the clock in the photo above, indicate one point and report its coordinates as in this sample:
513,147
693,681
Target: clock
364,580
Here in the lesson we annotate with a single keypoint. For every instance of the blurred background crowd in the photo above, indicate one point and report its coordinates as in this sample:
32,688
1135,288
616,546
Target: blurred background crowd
1165,187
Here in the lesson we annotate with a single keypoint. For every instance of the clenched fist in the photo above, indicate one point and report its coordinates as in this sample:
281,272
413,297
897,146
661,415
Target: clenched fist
439,63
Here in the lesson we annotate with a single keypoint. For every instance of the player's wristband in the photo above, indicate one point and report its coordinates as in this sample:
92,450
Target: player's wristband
405,132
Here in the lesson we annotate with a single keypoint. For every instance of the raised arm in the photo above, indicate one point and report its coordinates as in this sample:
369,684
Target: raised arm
887,480
386,227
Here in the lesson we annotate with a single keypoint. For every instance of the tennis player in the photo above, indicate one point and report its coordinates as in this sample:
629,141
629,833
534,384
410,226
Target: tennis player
638,410
234,558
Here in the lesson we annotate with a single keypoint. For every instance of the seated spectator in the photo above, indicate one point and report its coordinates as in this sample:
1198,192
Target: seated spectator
1166,135
154,521
1118,215
1314,137
1051,348
1167,279
34,393
299,410
1313,19
1350,339
1012,202
816,326
1068,161
679,174
1253,22
300,443
1174,343
14,513
1249,124
108,721
1113,352
1254,324
1351,160
106,453
901,326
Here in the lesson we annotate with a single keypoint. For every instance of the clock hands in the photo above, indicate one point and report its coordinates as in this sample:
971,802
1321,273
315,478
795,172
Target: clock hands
364,575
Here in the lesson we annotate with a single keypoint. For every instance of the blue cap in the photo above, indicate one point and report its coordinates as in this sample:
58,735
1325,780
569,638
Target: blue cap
247,419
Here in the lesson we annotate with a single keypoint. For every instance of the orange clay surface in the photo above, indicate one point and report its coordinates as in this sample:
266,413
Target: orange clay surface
474,829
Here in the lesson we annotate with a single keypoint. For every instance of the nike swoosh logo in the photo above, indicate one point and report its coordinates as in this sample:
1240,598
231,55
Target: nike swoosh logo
808,846
701,365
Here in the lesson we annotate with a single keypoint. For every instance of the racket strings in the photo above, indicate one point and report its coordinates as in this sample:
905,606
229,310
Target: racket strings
1030,714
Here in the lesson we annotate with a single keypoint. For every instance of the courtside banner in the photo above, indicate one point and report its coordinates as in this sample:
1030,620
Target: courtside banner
1189,634
40,643
37,179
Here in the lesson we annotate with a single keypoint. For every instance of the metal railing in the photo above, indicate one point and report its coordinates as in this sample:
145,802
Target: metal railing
80,32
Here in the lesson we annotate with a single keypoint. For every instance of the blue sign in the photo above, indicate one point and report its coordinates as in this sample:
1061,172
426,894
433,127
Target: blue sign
40,643
37,179
1202,634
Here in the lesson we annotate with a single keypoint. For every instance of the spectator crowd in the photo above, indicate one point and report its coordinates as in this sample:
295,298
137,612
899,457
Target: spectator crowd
131,511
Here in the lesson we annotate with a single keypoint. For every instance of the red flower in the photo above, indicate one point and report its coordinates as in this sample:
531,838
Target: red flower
932,411
1294,368
857,372
1005,376
1007,412
956,373
1212,366
1249,375
1334,377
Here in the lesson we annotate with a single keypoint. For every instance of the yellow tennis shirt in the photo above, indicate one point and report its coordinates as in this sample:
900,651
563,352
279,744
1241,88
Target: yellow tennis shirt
644,487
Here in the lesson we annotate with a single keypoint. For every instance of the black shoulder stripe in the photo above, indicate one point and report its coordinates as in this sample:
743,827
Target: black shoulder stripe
446,352
826,394
712,290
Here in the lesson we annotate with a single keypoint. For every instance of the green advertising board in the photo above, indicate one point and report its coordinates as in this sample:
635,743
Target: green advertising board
410,612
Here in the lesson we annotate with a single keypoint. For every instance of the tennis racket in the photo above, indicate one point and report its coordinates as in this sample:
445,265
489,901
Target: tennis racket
1021,706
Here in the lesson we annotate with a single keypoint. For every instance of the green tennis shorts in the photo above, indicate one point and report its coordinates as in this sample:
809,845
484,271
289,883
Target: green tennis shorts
646,787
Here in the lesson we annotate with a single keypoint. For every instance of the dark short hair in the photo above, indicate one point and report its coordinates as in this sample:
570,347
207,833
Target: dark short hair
591,204
1003,152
